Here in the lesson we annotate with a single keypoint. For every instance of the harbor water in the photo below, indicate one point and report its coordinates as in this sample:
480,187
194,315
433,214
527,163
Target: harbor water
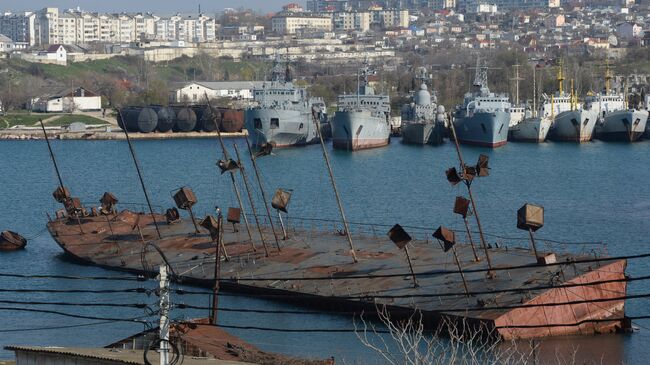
596,196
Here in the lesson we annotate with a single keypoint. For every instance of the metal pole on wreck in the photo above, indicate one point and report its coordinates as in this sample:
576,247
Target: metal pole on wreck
49,147
266,205
250,199
232,177
468,184
137,168
336,192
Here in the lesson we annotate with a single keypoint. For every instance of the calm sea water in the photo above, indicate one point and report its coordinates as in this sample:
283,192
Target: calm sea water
595,192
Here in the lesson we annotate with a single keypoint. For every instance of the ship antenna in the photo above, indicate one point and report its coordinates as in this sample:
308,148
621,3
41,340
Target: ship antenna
535,90
231,172
336,192
468,183
49,147
516,79
480,78
137,168
261,186
608,77
560,77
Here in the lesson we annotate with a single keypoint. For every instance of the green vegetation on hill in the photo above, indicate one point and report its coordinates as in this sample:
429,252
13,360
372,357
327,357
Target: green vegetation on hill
13,119
72,118
121,80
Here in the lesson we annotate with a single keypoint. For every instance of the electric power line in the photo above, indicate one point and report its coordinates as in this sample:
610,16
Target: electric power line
67,277
72,315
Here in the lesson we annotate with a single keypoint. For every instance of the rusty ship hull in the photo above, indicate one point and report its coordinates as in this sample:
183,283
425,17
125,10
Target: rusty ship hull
311,255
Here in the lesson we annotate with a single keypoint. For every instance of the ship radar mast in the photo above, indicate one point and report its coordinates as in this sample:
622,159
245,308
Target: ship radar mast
516,79
422,75
560,77
363,87
608,77
280,71
480,78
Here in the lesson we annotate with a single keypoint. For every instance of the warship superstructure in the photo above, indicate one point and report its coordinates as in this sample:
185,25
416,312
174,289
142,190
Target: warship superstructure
362,119
423,120
282,113
536,127
484,117
617,121
576,124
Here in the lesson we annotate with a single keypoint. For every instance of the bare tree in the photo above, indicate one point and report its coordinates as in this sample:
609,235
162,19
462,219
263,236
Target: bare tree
453,342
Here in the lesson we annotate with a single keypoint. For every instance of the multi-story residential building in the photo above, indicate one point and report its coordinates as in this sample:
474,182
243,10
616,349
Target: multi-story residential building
50,26
472,6
46,29
440,4
359,21
389,18
289,23
107,27
126,29
19,27
320,6
145,25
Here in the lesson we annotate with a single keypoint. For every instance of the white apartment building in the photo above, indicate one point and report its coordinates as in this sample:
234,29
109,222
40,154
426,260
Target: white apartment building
358,21
390,18
50,26
289,23
47,26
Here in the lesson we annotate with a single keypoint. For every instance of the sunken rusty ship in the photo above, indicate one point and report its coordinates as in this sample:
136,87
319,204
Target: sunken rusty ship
518,292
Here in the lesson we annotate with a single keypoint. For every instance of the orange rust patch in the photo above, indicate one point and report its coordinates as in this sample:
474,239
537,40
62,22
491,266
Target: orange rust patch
373,255
291,255
326,270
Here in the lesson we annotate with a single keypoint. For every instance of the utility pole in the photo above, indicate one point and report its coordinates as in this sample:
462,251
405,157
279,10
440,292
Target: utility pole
164,315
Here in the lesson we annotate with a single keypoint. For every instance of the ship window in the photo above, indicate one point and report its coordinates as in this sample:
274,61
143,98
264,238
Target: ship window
257,123
275,123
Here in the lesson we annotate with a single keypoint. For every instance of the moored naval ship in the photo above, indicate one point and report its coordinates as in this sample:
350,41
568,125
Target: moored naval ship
484,117
282,113
423,121
536,127
362,119
576,124
616,121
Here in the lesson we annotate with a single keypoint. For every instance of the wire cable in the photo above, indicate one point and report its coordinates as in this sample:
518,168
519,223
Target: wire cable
45,311
92,291
69,304
67,277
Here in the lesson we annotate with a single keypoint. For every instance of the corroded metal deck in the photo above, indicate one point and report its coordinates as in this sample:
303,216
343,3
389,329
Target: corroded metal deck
320,254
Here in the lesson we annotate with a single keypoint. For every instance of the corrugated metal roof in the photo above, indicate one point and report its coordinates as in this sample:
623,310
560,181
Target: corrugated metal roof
132,357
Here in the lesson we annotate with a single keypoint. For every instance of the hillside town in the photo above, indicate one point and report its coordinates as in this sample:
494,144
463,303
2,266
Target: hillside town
341,29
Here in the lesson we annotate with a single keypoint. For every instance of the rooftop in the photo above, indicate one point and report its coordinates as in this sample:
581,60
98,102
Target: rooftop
116,356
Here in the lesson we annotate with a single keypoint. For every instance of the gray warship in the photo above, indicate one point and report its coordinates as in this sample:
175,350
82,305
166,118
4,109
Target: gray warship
362,119
484,117
617,120
423,121
281,114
